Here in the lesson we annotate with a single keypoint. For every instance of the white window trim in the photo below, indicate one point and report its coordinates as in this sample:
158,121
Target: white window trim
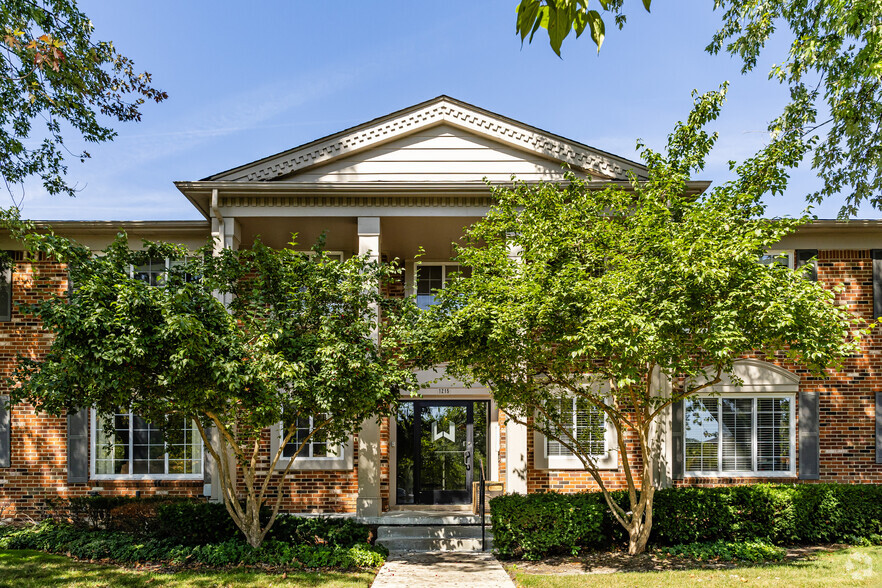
93,453
790,254
344,460
442,264
329,252
791,473
609,460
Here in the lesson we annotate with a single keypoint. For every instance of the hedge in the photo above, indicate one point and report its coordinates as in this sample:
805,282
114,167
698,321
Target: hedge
536,525
194,522
123,547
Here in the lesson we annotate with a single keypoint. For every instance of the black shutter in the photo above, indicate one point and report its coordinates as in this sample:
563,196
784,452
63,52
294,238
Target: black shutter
876,254
804,256
878,427
6,290
78,446
809,445
5,433
677,440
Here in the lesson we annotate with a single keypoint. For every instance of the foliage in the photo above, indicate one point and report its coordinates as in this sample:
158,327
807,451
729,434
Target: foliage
33,569
125,548
753,551
766,514
54,70
535,525
601,294
833,69
236,342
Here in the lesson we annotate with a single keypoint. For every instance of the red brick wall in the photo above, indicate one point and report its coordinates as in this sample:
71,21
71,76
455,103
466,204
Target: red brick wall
847,398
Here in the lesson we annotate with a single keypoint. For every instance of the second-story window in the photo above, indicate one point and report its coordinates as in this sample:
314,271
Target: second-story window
151,272
431,277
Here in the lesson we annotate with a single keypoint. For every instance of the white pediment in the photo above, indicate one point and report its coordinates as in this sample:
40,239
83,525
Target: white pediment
756,376
439,140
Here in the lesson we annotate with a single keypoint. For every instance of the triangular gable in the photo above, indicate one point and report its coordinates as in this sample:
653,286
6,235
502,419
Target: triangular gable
435,120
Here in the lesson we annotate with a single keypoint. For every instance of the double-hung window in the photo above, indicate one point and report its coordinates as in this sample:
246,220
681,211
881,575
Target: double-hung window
778,257
316,453
740,435
135,448
586,423
431,277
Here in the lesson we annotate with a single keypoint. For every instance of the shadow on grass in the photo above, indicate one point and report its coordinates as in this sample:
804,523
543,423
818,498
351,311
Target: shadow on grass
26,569
607,562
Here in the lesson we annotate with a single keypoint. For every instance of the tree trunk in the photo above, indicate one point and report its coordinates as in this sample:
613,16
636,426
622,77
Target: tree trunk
638,537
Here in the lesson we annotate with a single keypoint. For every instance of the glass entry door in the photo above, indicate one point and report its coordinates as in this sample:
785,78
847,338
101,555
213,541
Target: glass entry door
437,441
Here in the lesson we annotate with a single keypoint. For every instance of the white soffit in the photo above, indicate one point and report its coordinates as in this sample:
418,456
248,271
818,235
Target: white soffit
444,139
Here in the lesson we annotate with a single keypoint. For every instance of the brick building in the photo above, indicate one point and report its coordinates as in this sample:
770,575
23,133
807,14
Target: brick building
392,186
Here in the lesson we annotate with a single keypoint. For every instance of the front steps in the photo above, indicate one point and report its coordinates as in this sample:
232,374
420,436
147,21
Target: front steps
399,538
410,530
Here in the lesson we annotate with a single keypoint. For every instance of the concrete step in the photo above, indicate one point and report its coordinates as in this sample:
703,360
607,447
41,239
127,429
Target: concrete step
398,538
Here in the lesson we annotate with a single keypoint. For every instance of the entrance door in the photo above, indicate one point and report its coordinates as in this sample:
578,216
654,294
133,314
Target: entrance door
437,441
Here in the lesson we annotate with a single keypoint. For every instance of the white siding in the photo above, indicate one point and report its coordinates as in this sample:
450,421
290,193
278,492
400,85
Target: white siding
441,153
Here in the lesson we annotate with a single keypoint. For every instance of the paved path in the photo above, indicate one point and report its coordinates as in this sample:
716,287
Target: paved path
442,568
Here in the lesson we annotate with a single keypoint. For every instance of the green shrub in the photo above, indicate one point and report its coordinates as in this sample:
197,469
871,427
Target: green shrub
778,514
195,523
342,532
125,548
753,551
535,525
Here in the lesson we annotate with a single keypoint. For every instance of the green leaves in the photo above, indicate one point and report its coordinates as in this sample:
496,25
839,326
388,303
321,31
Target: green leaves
54,70
559,17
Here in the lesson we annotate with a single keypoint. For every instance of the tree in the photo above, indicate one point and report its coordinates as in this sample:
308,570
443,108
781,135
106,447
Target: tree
292,343
593,295
832,71
54,71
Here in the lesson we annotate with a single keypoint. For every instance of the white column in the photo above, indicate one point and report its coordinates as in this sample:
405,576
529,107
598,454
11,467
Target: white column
515,457
369,503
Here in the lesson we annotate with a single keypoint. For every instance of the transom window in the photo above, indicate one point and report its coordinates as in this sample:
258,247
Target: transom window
739,435
317,445
431,277
137,448
585,422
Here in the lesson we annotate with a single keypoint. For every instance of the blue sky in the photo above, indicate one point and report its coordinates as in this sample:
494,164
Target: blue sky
249,79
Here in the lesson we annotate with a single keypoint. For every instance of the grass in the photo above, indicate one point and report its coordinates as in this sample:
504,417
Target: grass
859,566
32,569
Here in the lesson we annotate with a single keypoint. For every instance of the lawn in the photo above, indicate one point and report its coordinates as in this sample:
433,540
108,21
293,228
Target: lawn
30,569
861,566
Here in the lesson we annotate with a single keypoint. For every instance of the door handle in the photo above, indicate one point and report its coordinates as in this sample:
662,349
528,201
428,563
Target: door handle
468,461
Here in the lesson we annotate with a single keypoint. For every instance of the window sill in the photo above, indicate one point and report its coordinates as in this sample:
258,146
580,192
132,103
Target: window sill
315,464
146,477
788,474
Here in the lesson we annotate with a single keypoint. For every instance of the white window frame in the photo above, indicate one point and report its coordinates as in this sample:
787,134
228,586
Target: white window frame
93,455
444,265
753,473
790,254
331,253
342,459
605,461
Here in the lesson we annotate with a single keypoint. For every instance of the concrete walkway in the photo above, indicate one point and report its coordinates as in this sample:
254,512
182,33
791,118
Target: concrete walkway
464,569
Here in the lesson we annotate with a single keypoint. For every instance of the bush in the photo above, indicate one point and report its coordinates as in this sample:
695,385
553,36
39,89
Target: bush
535,525
753,551
125,548
319,530
776,514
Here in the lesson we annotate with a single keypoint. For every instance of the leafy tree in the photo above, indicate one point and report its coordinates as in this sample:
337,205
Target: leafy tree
832,71
54,72
292,342
595,294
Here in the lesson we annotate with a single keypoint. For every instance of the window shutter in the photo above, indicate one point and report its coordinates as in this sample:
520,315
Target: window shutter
78,446
804,256
677,440
878,427
5,433
876,254
6,291
809,446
